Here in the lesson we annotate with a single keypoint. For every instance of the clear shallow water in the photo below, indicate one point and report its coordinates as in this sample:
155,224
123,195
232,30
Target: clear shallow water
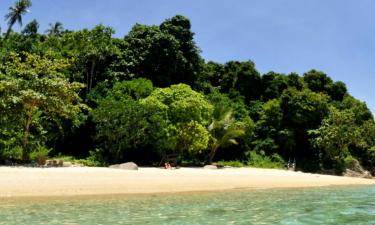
344,205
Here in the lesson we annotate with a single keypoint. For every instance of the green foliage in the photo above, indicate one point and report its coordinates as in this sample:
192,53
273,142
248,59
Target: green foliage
183,104
35,90
231,163
55,29
40,154
273,85
179,111
164,54
12,153
224,131
143,105
136,89
243,78
15,14
31,29
263,161
189,138
361,112
121,124
317,81
336,134
303,108
172,119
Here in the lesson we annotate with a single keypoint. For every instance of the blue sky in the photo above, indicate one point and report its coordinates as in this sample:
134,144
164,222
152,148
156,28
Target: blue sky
335,36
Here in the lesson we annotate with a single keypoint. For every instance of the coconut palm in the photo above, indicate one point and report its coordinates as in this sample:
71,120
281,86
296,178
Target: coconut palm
15,14
224,132
55,29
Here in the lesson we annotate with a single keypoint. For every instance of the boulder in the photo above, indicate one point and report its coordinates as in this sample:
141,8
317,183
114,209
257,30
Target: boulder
67,164
356,170
125,166
352,173
210,167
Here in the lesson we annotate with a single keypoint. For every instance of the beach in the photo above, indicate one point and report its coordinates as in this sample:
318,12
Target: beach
77,181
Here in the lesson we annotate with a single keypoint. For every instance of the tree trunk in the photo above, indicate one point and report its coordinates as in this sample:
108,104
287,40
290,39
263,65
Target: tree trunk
8,32
25,138
92,71
212,153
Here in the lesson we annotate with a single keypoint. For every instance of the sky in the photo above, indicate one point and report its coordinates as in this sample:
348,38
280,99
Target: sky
335,36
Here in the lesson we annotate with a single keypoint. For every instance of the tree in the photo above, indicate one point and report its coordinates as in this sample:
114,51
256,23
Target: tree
55,29
90,51
209,79
267,128
224,132
188,139
15,14
273,85
317,81
302,111
338,91
36,89
361,112
336,133
31,29
170,119
180,28
164,54
121,125
180,118
295,81
242,77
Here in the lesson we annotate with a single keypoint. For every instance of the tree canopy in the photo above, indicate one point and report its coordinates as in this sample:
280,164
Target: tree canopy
151,93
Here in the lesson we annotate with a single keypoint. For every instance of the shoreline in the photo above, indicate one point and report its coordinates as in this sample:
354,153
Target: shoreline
22,182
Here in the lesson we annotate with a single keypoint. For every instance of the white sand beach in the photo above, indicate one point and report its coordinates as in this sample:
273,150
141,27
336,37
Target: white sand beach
74,181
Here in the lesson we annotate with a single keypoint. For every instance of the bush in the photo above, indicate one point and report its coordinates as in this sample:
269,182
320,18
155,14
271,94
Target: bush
349,161
14,153
263,161
94,159
40,155
231,163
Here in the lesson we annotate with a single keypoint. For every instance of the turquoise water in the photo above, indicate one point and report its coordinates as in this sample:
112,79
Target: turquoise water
345,205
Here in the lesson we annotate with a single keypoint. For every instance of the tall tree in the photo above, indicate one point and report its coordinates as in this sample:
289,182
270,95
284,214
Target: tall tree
55,29
224,131
15,14
179,112
90,50
337,132
165,54
31,29
35,90
242,77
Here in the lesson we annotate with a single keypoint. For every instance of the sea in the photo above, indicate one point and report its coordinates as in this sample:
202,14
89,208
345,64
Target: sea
330,205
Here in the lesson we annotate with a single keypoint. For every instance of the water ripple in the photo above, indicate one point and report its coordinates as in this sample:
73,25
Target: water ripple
349,205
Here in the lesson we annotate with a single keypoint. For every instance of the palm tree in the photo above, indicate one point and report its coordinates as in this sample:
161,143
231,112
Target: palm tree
224,132
15,14
55,29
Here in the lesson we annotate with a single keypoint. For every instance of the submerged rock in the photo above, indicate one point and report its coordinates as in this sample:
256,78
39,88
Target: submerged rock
125,166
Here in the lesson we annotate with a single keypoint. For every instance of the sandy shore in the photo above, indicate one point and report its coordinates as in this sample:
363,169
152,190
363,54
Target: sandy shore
28,182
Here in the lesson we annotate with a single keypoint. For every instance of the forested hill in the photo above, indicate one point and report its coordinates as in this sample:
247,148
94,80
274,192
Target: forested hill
138,98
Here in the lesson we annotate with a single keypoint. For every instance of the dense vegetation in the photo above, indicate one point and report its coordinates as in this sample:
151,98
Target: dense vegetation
89,95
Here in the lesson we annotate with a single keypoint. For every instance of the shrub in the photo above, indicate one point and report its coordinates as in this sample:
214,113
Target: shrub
263,161
40,155
14,153
231,163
